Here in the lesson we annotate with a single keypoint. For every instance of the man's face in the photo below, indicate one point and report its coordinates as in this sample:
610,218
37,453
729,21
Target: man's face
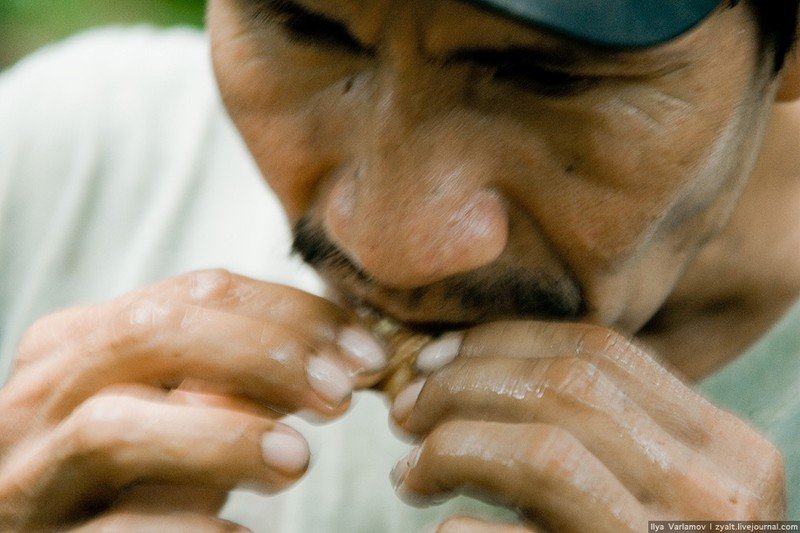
448,165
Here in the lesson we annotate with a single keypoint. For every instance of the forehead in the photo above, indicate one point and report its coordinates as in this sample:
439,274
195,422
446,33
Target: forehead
444,26
453,16
621,24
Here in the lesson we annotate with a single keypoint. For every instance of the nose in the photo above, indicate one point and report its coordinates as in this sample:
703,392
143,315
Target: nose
412,202
405,235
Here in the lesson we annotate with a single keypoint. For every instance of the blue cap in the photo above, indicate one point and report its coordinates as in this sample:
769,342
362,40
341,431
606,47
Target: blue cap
609,23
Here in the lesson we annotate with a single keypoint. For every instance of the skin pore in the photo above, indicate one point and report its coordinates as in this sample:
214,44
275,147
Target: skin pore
440,147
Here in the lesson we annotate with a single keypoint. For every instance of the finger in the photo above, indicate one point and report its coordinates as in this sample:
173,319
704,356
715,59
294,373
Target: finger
74,337
466,524
541,470
316,318
195,392
169,498
679,410
164,345
569,393
45,337
113,442
145,522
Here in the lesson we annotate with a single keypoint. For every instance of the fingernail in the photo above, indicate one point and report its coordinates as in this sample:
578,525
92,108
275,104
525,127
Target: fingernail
406,400
362,349
286,450
438,353
403,467
328,380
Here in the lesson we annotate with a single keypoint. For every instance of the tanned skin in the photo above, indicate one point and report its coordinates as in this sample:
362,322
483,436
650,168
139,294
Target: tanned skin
591,224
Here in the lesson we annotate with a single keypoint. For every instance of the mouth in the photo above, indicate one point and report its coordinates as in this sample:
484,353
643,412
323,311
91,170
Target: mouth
405,320
508,288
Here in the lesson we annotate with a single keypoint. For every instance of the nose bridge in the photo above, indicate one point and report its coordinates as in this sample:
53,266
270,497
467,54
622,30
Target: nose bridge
408,113
403,161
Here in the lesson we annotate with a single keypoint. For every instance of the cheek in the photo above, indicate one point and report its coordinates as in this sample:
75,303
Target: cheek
628,172
287,104
658,166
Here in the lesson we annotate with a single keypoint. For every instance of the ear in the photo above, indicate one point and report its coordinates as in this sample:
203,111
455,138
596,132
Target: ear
789,88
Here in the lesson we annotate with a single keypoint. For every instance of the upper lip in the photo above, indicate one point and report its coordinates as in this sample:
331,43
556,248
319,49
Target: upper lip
407,321
504,290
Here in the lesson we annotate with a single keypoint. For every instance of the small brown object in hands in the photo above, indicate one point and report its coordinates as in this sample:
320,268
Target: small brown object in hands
402,347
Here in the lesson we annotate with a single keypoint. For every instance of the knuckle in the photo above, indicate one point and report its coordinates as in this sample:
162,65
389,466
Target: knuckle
210,287
603,345
439,442
449,379
553,452
137,324
584,386
53,332
283,350
43,326
436,442
573,377
95,428
597,341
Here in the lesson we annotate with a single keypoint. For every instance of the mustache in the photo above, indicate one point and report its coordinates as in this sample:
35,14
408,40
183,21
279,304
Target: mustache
491,292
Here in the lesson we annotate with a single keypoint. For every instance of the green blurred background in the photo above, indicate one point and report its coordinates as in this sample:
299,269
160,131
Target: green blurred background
25,25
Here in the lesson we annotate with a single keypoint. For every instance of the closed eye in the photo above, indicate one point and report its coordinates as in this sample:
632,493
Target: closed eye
544,81
306,26
522,68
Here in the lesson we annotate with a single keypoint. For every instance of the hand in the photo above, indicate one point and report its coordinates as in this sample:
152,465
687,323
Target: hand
143,412
579,430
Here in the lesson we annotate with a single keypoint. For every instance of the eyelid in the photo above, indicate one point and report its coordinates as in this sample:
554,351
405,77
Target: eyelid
545,81
528,70
306,25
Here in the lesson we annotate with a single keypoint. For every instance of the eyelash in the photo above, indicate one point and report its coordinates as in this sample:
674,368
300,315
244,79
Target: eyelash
306,27
542,80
